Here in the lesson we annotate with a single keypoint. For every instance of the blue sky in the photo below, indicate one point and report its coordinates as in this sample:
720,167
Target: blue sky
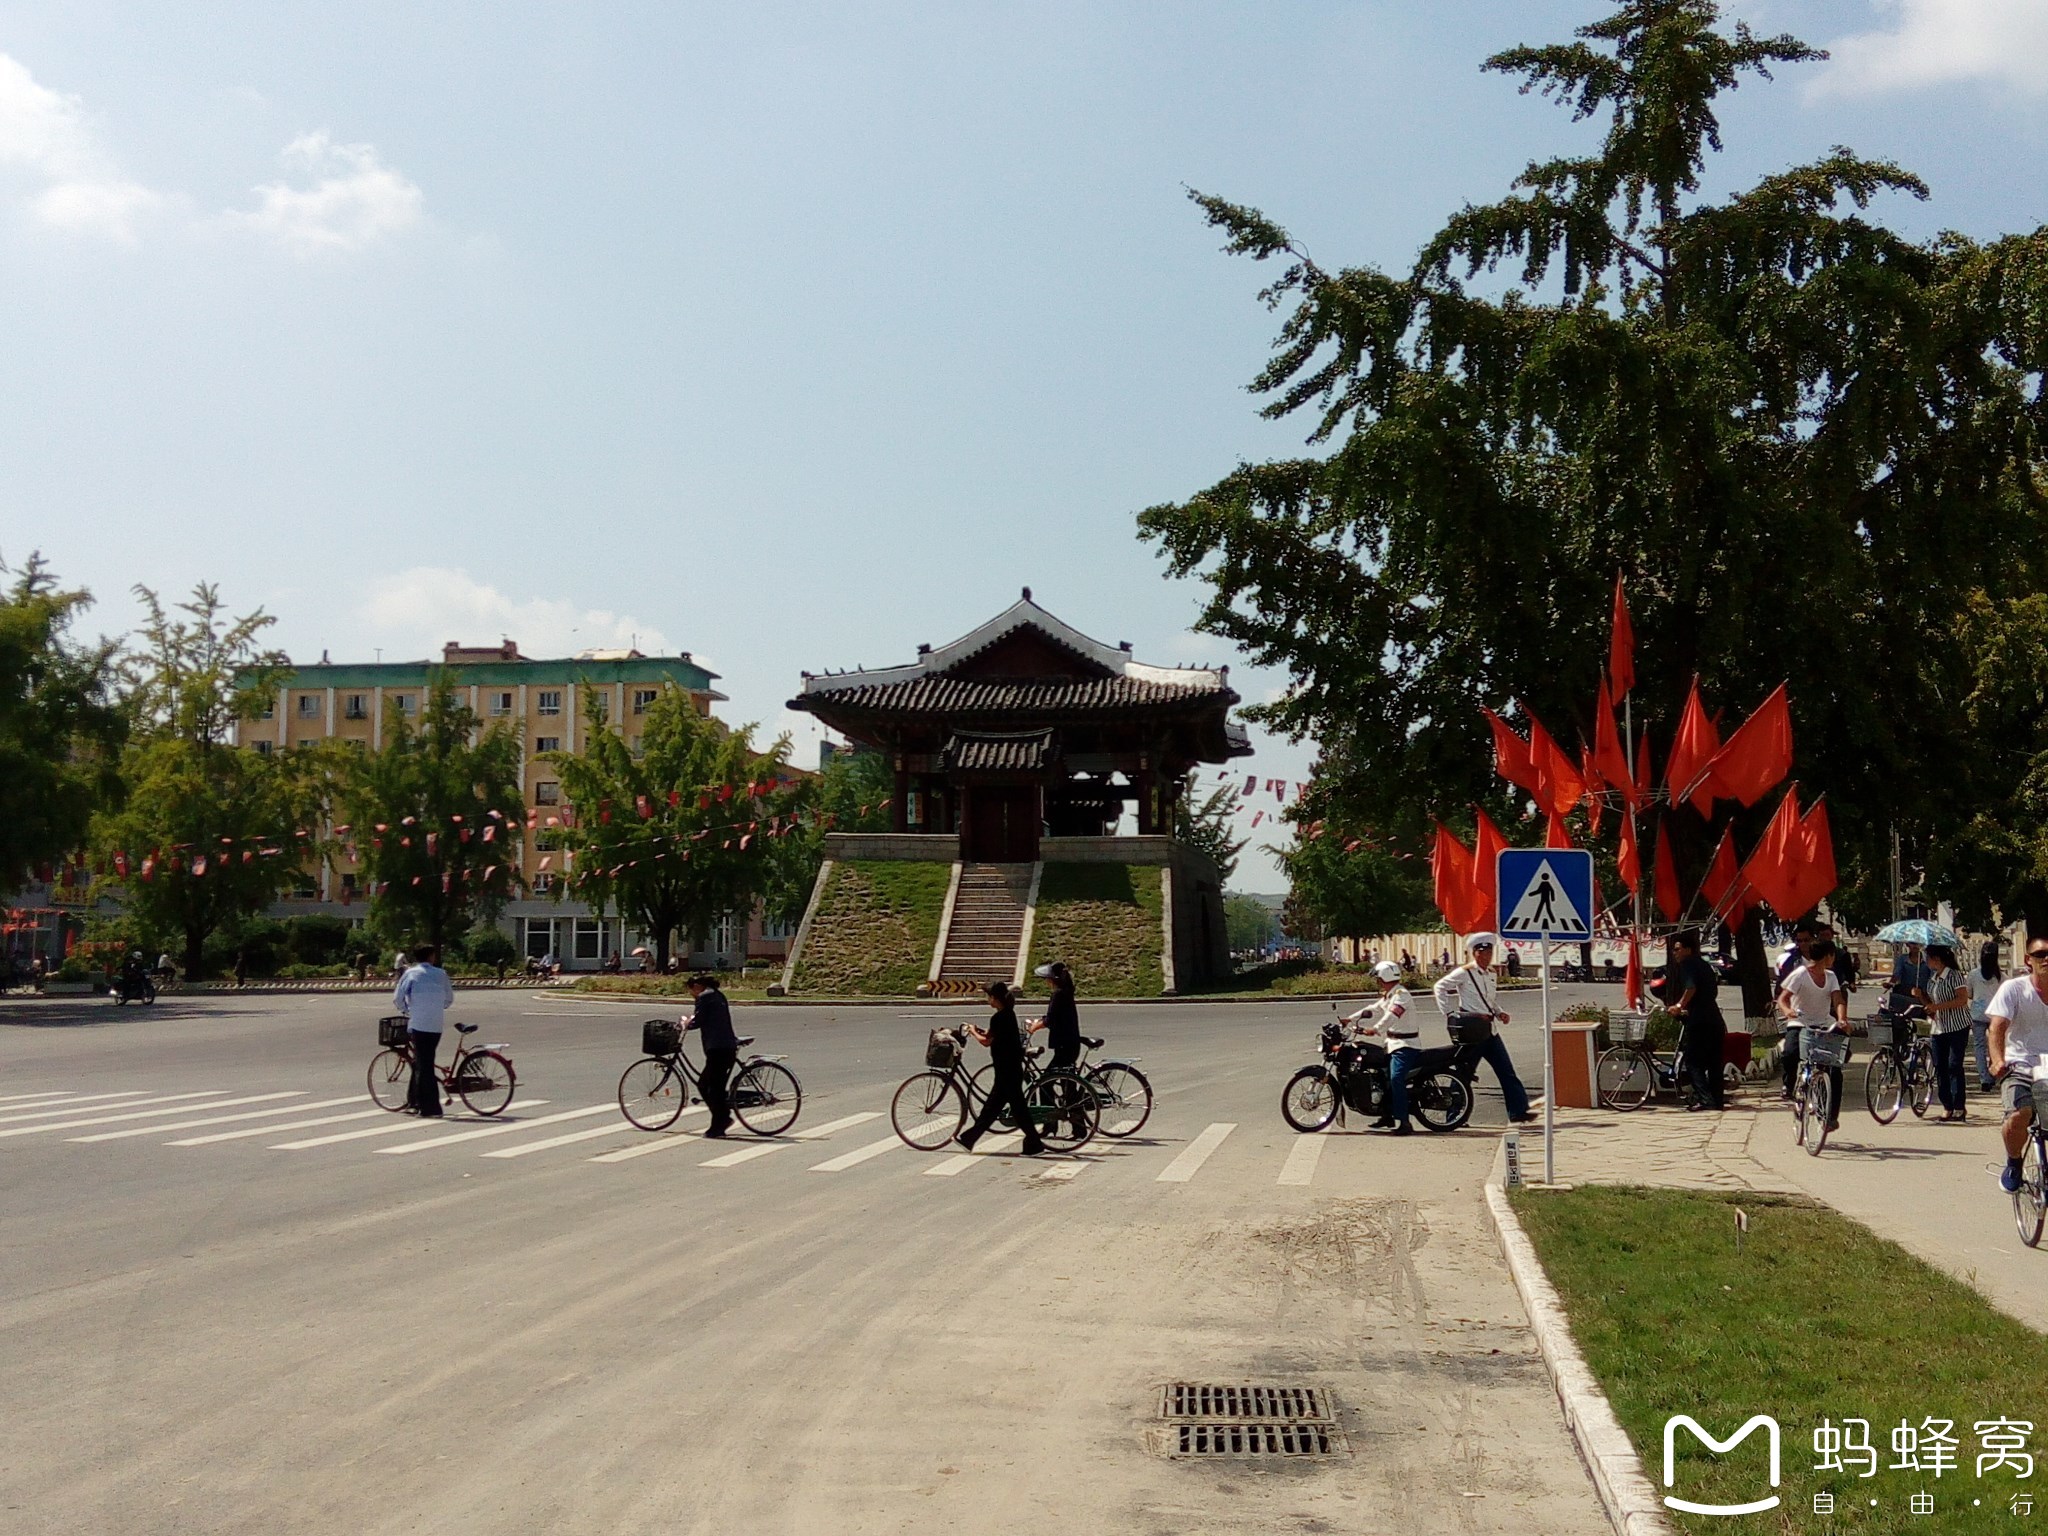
792,335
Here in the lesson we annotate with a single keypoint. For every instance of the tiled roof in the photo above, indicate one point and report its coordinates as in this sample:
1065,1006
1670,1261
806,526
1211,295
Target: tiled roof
1000,754
951,695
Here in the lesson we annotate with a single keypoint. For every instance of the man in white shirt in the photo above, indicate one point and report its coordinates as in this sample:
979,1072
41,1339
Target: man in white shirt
1392,1018
1470,1000
2018,1036
1811,1000
424,994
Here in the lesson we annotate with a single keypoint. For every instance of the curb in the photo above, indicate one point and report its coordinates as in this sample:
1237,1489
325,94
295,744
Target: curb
1625,1491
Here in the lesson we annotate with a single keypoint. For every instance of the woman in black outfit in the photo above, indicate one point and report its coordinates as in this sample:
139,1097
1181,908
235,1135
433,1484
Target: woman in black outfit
1005,1044
1062,1021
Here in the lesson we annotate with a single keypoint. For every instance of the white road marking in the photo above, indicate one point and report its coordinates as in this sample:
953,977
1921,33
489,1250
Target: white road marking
272,1130
1300,1167
816,1133
959,1162
399,1122
663,1141
1196,1153
142,1114
874,1148
247,1114
501,1128
85,1101
833,1127
553,1141
744,1155
1062,1171
47,1093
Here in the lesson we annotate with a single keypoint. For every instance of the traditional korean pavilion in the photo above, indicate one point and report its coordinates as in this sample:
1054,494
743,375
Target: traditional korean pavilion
1017,751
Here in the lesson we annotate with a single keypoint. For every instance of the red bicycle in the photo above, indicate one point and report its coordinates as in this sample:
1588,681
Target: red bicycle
482,1077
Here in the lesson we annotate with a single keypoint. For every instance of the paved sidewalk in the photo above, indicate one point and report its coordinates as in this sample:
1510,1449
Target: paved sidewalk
1930,1187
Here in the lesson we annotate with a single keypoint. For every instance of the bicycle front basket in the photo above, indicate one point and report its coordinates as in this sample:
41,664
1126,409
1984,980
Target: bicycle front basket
942,1051
660,1037
392,1032
1824,1047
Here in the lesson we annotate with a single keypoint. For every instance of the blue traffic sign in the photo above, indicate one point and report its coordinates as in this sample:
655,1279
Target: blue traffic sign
1545,893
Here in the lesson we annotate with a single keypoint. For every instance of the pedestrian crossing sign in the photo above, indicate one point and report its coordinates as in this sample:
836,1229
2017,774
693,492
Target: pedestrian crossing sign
1546,893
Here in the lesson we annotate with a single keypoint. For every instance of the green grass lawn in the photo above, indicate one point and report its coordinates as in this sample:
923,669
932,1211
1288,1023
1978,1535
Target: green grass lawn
1105,921
1816,1319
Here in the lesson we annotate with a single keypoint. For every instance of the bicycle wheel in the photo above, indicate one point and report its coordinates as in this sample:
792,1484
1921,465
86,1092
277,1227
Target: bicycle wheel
484,1081
766,1097
1126,1098
1064,1108
1627,1078
1442,1101
652,1092
1817,1096
1883,1087
2030,1200
1922,1083
1799,1108
1309,1101
983,1081
927,1111
391,1079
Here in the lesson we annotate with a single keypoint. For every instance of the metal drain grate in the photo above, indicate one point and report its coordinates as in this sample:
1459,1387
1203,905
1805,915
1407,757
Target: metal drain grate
1204,1400
1257,1440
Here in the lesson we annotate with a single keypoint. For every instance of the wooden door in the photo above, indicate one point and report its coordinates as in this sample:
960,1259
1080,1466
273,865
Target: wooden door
1002,824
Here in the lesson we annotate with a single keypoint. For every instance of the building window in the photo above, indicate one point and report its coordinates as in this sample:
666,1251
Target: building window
547,743
501,703
356,707
725,935
589,938
539,940
304,889
309,706
550,702
269,711
547,792
264,748
543,883
642,697
601,706
402,702
775,929
348,888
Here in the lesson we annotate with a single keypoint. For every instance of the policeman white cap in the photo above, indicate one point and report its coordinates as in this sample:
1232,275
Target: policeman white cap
1482,941
1387,971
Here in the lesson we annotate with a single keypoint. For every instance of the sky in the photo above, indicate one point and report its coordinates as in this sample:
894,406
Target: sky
790,335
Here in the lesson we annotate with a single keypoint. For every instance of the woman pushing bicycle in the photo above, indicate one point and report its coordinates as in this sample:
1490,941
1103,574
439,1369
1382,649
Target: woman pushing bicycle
1062,1021
1005,1042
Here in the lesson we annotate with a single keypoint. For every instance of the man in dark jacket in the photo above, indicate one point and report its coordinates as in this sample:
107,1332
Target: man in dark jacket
712,1020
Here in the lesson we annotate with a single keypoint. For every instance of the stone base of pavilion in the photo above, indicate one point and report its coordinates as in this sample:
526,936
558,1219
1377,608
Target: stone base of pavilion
903,914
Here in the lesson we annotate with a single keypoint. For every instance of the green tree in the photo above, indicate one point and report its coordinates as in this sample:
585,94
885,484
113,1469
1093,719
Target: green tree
209,834
435,818
1765,409
681,834
1355,893
1208,828
60,729
851,794
1248,922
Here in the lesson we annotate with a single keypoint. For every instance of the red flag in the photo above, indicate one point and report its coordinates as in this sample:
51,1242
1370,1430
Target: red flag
1632,982
1689,773
1487,843
673,797
1815,871
1608,756
1772,870
1510,753
1723,877
1664,882
1621,650
1558,787
1757,758
640,803
1451,871
149,866
199,866
1556,834
1628,861
1595,806
121,864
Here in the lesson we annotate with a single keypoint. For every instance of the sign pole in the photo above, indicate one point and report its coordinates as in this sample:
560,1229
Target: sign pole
1549,1078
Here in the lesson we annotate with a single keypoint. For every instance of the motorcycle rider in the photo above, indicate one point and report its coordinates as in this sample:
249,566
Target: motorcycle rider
1392,1019
134,975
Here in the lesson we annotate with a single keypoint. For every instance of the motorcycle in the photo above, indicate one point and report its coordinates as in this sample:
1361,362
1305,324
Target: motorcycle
133,987
1349,1077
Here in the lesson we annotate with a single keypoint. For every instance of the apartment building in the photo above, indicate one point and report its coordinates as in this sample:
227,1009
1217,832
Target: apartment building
546,700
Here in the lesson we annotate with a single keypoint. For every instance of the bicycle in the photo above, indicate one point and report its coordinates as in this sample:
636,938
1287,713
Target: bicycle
765,1096
1318,1095
932,1107
1630,1073
1899,1072
482,1077
1819,1049
2030,1200
1123,1093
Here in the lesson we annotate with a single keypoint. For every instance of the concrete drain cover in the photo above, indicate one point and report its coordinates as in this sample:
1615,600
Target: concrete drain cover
1205,1419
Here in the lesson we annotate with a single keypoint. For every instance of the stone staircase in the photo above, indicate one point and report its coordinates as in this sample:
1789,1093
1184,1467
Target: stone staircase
988,924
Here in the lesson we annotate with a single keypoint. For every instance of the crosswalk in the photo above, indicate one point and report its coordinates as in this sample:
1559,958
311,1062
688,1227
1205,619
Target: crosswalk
294,1122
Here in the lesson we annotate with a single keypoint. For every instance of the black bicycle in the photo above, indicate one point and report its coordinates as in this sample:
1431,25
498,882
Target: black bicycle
765,1095
1351,1077
1901,1070
1123,1094
932,1107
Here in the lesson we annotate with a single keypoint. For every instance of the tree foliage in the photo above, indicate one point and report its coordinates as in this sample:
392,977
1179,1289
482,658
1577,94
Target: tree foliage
850,794
436,818
1249,922
1799,435
1210,827
60,730
1356,894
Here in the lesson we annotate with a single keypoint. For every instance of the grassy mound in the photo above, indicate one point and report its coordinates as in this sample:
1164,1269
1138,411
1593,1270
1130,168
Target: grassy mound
875,930
1104,921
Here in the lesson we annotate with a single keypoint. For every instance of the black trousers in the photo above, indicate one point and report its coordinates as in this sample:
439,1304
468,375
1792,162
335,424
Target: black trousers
1950,1051
718,1067
425,1092
1006,1092
1701,1047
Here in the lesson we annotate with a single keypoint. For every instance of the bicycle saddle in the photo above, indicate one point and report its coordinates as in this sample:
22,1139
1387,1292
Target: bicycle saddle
744,1041
1092,1042
467,1029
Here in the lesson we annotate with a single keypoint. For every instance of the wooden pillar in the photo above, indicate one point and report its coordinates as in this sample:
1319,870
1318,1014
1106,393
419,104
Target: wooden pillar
899,816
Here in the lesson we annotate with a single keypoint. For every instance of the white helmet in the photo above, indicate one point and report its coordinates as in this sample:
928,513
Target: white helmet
1387,971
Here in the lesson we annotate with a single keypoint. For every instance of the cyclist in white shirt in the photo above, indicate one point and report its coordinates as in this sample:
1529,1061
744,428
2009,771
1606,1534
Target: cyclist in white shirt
1392,1018
2019,1045
1811,999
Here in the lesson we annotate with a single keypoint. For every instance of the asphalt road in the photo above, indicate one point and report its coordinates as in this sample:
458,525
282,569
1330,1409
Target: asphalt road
368,1331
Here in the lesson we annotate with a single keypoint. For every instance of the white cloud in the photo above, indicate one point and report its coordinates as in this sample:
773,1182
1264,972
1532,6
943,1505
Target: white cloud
46,138
353,199
1944,42
417,611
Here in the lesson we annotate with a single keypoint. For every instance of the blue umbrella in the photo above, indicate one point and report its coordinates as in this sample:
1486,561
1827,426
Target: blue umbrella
1917,930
